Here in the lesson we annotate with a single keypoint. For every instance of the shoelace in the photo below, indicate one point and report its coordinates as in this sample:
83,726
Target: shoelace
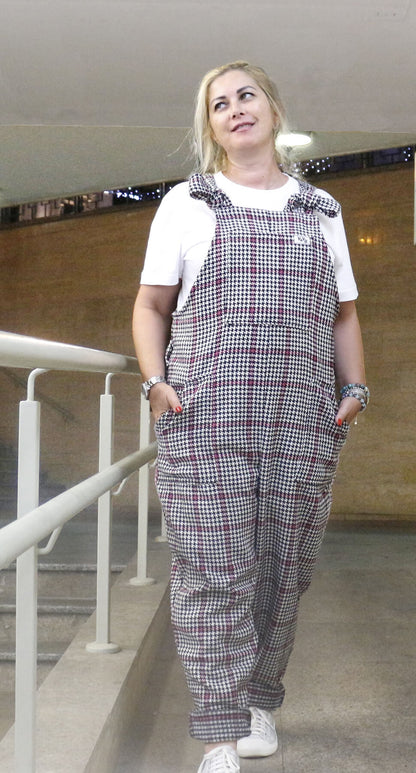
223,762
261,724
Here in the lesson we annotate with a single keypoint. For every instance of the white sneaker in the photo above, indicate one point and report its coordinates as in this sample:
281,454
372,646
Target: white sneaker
222,759
262,740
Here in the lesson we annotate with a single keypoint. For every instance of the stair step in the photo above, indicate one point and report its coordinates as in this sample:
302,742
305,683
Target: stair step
48,652
61,580
57,620
54,606
7,499
8,482
7,671
8,466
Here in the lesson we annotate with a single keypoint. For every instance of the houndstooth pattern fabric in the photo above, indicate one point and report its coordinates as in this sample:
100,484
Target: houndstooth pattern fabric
244,473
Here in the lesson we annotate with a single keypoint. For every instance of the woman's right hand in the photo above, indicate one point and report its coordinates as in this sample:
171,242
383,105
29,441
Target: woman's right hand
162,398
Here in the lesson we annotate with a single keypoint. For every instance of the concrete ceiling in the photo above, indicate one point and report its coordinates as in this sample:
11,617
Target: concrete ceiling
96,94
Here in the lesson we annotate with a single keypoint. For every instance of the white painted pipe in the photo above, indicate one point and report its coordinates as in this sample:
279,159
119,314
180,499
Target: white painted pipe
143,501
26,591
35,526
102,641
21,351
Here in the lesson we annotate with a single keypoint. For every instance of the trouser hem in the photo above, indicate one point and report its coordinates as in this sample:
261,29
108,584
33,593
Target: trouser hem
265,698
220,725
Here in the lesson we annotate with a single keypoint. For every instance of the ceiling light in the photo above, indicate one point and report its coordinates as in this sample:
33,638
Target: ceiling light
294,139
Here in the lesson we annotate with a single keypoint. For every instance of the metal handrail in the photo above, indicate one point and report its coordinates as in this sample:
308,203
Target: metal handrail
35,526
19,351
45,399
19,539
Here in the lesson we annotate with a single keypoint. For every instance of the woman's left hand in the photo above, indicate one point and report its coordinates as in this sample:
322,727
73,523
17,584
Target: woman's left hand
349,407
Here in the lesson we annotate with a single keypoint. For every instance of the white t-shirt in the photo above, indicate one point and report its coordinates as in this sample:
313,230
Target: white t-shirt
183,229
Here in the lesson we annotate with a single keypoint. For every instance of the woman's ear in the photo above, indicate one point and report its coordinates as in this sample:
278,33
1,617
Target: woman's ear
211,134
276,123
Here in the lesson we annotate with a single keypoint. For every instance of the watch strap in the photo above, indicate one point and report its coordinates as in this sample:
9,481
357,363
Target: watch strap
147,385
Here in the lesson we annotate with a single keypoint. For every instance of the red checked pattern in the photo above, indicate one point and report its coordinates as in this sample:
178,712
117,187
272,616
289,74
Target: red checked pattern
245,472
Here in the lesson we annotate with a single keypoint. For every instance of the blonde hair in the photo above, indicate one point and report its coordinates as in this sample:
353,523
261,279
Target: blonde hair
210,156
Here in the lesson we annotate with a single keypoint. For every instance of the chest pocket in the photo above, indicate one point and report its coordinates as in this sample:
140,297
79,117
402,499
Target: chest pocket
270,278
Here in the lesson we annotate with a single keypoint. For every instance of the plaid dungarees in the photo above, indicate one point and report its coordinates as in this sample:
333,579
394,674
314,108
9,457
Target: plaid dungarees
244,474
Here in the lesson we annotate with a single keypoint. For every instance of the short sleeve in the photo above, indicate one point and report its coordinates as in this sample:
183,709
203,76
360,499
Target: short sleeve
333,231
163,260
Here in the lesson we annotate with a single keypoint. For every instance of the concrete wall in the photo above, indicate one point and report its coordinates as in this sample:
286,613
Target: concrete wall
75,281
377,474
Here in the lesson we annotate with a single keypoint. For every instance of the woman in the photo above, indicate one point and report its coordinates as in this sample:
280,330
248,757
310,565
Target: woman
247,282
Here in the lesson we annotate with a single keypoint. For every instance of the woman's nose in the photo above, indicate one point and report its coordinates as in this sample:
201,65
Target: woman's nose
237,110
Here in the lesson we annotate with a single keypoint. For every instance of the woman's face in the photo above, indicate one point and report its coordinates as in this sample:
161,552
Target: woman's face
240,115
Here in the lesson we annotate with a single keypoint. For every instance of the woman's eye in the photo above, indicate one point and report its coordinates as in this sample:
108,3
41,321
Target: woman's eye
219,105
246,94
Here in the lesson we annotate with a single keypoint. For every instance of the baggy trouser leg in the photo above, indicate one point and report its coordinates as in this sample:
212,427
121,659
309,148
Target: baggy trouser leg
296,533
211,530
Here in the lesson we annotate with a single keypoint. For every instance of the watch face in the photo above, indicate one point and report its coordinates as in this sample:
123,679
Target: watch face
147,385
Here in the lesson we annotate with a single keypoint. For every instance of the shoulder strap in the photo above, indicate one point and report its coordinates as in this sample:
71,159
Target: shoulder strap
310,200
203,186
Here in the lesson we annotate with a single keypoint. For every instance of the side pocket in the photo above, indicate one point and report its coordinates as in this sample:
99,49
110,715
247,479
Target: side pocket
164,421
322,443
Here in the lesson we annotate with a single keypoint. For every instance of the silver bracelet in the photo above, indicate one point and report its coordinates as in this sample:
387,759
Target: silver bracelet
361,393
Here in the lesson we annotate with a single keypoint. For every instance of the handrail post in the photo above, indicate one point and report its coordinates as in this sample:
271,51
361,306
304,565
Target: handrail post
163,536
26,592
143,501
105,513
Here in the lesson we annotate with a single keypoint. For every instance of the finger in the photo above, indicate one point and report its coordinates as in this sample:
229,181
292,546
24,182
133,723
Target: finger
342,414
172,399
175,403
164,398
347,411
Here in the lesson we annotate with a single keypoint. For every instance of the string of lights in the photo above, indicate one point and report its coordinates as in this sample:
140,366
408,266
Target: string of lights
353,161
140,195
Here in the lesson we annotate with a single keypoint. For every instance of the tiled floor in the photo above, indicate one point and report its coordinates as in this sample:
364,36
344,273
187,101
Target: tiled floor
351,684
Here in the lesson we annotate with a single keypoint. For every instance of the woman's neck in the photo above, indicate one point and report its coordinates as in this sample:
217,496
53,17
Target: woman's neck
255,175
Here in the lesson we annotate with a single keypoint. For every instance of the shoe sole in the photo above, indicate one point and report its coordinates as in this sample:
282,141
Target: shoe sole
256,753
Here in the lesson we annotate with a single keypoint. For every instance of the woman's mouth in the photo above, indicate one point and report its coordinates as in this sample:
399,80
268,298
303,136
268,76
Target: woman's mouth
242,126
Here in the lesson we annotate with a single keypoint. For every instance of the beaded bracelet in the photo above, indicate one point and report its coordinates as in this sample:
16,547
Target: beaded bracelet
360,391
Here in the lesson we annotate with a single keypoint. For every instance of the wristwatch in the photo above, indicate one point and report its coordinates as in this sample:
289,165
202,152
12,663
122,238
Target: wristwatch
147,385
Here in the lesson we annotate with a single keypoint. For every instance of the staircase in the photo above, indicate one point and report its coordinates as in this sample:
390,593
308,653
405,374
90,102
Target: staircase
66,585
66,596
8,483
66,581
66,599
8,480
